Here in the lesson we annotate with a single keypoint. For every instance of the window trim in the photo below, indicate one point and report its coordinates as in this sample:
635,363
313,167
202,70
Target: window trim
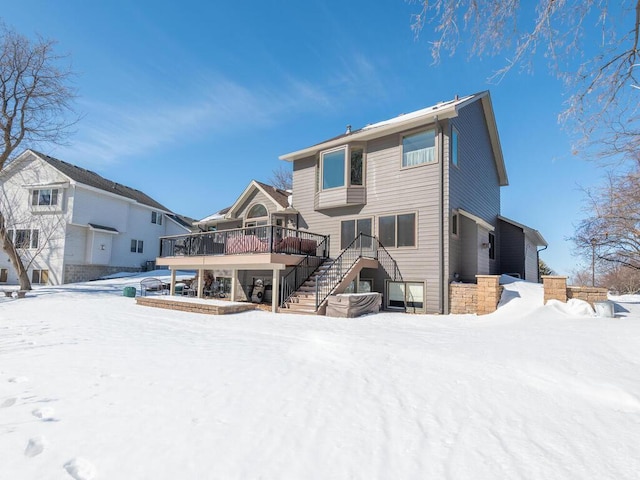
492,246
347,149
454,159
158,218
406,309
415,230
39,280
355,220
455,224
138,247
35,197
417,131
32,240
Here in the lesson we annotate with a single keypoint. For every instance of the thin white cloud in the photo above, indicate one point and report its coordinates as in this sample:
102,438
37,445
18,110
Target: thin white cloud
111,132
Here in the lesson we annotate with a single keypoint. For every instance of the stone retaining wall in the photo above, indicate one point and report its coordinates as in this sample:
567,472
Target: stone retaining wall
555,288
85,273
463,298
588,294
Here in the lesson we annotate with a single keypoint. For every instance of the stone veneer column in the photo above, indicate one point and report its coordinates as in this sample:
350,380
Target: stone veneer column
555,288
489,291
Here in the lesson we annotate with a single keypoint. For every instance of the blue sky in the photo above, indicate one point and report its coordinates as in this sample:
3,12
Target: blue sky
188,101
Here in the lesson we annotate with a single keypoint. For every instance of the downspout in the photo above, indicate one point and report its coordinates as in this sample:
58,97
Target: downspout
538,260
444,297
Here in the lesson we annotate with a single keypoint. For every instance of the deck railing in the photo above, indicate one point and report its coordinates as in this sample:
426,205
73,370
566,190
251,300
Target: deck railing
260,239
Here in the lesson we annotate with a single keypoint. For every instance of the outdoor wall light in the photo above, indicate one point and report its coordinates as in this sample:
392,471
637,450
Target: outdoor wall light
102,246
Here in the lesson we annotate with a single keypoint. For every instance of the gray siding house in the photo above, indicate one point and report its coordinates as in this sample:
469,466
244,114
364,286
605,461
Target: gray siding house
402,207
426,184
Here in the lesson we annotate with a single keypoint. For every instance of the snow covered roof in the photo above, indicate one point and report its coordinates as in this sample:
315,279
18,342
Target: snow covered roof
424,116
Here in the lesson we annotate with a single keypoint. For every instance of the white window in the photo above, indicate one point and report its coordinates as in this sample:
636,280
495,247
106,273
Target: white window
26,239
419,148
397,230
40,276
137,246
44,197
342,167
454,146
407,296
156,217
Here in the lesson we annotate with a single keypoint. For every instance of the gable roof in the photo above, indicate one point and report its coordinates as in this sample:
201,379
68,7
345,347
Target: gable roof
92,179
280,198
440,111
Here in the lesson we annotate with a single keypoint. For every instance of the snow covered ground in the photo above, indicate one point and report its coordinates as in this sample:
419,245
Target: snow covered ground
93,386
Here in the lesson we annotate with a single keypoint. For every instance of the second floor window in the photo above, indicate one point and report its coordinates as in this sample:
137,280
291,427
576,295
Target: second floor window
341,168
44,197
156,217
25,238
419,148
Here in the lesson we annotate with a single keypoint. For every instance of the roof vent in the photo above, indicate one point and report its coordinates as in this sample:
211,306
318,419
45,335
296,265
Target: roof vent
348,130
456,97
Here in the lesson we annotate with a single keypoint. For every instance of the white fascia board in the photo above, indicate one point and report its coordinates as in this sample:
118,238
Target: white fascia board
478,220
387,127
528,231
115,195
49,184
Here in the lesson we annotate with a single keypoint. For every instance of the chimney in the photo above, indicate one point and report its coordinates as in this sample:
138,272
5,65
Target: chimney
348,130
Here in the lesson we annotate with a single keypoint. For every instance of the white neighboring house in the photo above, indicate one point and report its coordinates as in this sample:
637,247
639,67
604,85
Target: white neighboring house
72,225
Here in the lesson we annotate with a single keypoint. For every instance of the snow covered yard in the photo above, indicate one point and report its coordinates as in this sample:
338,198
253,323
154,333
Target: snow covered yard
94,386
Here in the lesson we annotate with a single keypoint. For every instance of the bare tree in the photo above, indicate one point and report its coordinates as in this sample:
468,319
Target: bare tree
605,88
621,279
610,232
282,178
36,100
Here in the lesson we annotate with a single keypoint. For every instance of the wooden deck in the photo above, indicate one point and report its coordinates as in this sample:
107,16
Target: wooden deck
195,305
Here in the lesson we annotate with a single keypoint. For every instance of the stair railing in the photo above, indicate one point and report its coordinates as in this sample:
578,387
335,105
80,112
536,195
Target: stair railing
362,246
293,280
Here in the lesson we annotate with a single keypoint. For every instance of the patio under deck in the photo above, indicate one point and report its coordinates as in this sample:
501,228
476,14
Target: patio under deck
268,247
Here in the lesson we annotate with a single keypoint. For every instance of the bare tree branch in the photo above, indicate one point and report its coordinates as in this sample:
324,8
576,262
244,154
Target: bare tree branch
36,107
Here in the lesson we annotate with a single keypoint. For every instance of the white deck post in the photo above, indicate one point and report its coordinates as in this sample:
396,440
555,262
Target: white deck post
200,282
234,279
275,291
172,287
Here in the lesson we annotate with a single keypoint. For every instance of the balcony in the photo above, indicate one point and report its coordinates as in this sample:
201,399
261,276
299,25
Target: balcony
267,239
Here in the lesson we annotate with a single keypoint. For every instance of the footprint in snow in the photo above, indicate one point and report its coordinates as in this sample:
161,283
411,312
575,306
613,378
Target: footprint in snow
35,446
80,469
18,380
9,402
46,414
